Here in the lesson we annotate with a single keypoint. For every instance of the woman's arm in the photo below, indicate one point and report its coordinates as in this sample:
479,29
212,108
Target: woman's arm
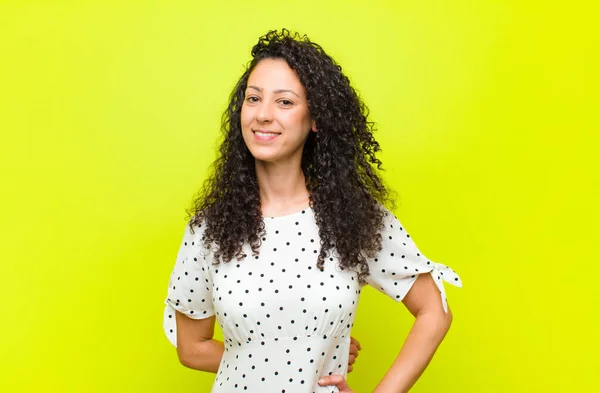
428,331
196,347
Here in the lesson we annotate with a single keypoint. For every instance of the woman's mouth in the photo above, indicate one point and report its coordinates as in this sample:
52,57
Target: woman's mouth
265,135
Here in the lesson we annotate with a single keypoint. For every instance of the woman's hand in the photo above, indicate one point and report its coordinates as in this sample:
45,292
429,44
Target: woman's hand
336,380
354,348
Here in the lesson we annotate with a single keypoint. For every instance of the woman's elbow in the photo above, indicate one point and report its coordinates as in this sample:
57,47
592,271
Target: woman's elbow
186,356
446,319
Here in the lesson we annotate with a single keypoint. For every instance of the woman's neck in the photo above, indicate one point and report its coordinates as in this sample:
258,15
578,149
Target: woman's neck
282,188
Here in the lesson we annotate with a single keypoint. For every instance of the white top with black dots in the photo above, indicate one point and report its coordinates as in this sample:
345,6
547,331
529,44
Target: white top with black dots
286,323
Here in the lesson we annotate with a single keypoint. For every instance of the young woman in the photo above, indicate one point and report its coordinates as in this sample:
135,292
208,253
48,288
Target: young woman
286,232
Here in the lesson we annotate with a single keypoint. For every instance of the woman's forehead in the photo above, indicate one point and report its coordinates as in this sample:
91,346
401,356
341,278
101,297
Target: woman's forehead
275,75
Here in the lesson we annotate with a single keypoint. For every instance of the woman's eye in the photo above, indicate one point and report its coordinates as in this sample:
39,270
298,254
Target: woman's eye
286,102
251,99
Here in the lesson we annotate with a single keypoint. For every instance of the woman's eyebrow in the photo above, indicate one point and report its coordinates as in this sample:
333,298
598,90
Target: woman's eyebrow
276,91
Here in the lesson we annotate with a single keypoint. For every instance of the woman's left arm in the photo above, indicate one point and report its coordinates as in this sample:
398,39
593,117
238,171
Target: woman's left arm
428,331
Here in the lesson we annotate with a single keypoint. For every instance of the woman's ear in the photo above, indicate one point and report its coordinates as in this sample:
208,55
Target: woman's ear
314,126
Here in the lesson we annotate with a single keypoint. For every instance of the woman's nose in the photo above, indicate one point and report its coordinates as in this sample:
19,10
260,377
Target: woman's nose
264,113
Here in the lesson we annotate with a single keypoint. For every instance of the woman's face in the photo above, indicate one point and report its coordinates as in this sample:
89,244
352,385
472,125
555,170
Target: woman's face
275,117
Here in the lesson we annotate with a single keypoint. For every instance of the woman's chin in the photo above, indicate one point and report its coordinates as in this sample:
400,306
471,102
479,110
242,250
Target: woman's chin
266,158
273,154
265,153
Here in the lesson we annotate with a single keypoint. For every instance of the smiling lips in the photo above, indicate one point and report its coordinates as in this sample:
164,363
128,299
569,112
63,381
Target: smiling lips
263,135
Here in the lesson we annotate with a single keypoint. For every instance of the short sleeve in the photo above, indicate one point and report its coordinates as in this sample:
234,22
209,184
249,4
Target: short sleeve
395,268
190,283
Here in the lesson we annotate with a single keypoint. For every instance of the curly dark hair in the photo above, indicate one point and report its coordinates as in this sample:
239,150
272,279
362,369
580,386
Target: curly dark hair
339,165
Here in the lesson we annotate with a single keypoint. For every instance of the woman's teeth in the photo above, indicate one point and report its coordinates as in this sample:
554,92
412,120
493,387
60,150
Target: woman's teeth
265,134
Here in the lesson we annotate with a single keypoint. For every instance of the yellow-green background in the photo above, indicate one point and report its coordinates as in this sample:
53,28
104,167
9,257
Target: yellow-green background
487,113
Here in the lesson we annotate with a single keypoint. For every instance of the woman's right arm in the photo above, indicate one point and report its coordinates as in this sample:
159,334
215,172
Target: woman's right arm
196,347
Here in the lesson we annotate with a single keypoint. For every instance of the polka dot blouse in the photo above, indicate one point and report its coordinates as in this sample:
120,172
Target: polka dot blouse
286,323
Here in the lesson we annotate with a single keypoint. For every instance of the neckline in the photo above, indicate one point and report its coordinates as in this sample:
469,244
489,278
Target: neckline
303,211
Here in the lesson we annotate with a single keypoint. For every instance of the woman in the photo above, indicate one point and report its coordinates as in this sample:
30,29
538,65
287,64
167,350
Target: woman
288,229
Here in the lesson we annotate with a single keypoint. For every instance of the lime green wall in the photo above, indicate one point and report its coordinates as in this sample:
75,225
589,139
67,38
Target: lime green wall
109,113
